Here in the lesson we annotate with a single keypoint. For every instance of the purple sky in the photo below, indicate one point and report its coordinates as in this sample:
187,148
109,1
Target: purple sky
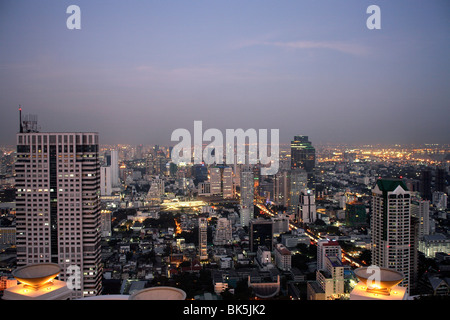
137,70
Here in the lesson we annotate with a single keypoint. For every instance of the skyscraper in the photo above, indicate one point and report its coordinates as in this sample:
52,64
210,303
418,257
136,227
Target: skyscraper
114,168
58,205
303,154
247,196
281,188
307,207
261,234
420,209
105,181
391,227
227,182
215,180
202,238
297,182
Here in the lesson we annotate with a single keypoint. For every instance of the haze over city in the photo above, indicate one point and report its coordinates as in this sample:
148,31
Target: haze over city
137,70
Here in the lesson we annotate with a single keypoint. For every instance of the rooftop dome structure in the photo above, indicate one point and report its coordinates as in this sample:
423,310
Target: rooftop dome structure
379,280
159,293
37,275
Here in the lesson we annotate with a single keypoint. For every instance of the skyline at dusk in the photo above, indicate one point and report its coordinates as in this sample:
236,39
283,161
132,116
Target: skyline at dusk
137,70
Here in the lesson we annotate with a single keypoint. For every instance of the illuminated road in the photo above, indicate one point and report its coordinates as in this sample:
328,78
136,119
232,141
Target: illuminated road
314,238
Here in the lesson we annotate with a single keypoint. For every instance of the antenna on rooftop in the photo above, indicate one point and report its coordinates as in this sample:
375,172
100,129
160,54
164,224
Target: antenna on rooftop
20,119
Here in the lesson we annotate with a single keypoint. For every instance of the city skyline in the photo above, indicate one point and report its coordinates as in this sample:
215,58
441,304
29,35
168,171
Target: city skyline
137,71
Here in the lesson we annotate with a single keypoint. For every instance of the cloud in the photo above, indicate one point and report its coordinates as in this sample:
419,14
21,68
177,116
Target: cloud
348,48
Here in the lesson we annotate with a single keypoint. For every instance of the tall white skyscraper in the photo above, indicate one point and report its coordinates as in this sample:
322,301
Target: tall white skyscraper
307,207
391,227
115,168
58,205
105,181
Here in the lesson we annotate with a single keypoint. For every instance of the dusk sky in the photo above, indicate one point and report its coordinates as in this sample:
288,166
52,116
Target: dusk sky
137,70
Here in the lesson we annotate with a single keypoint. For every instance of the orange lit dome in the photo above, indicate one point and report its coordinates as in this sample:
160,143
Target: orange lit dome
36,275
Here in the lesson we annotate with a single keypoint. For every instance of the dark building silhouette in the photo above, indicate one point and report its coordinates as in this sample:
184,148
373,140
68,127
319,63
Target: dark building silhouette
425,190
303,154
261,234
441,180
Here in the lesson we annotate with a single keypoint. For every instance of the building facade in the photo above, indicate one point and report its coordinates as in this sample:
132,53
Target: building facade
58,205
391,227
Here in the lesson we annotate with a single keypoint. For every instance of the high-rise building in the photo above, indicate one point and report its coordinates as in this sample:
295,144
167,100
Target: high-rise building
391,227
331,278
200,172
425,184
355,214
227,183
105,223
420,209
215,179
149,164
115,168
281,188
307,207
58,205
414,254
325,249
441,180
261,234
297,182
202,238
303,154
247,197
105,181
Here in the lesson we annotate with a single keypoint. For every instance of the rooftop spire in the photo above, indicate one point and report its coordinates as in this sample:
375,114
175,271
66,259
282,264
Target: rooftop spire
20,119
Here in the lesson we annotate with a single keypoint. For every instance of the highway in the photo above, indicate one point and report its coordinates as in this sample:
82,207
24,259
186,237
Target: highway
314,238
